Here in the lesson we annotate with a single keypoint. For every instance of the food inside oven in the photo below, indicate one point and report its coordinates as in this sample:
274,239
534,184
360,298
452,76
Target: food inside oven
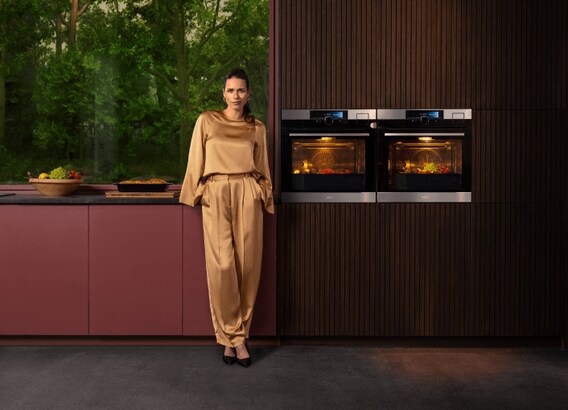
328,155
328,164
425,164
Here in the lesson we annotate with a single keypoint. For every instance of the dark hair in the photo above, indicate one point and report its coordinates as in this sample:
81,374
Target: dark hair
242,75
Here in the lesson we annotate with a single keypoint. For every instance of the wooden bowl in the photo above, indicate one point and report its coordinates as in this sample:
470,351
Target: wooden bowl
56,187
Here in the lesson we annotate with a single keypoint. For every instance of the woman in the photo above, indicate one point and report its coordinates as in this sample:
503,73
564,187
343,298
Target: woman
228,174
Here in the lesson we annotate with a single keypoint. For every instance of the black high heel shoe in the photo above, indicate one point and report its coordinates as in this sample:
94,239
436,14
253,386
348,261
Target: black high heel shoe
244,362
229,359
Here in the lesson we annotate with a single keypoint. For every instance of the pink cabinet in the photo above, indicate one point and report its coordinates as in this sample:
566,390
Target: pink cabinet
135,267
43,270
114,270
196,313
264,320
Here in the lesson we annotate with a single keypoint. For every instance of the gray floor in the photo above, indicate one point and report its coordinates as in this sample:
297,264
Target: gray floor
289,377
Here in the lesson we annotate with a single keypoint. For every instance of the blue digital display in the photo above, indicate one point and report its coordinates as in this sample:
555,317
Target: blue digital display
432,115
333,115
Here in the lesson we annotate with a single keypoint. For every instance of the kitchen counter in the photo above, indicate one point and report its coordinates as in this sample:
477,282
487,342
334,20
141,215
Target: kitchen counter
86,199
74,266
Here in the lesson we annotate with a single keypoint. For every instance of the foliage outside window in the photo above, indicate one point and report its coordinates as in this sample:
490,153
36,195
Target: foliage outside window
113,88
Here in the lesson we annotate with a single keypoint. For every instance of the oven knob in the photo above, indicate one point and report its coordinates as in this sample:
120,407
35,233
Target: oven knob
424,120
328,120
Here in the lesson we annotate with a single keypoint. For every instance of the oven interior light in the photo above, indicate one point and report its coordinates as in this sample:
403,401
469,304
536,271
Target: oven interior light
425,138
327,138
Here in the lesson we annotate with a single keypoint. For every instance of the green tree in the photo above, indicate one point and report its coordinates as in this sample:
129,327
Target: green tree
3,68
21,34
62,101
63,92
245,44
134,120
117,85
198,31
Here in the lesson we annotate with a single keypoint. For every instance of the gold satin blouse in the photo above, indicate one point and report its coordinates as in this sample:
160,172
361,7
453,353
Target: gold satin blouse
223,146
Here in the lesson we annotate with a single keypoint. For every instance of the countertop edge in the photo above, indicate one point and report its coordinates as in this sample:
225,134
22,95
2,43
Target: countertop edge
82,199
87,194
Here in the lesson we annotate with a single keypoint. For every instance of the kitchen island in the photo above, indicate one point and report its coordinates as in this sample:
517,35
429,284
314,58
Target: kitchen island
87,265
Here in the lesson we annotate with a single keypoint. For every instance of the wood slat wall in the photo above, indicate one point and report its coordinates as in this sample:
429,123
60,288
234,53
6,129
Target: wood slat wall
482,54
495,267
327,55
420,270
519,156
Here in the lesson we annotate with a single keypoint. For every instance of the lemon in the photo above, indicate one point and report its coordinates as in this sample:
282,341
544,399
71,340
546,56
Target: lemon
43,175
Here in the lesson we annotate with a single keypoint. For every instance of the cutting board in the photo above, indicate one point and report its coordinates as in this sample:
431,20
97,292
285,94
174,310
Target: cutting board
166,194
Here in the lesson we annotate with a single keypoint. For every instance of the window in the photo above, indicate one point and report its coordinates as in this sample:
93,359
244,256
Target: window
116,94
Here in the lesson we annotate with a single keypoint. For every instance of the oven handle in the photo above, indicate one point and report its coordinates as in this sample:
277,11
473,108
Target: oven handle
327,134
431,134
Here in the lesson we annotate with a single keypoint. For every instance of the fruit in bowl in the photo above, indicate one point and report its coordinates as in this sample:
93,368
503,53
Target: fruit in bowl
58,182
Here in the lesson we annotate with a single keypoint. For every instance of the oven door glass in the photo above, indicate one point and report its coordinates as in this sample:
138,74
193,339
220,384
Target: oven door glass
425,162
331,163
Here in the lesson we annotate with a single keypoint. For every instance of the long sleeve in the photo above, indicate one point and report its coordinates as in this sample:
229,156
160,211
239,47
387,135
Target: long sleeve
261,164
192,188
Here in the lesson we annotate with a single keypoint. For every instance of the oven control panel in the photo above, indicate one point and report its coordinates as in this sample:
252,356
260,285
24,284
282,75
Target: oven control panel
330,117
424,117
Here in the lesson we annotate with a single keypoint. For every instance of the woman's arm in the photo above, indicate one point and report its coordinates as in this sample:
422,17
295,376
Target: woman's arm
261,164
191,188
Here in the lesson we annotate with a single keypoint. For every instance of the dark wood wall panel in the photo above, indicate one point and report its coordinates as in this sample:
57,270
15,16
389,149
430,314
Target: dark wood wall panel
486,54
327,57
518,156
422,276
483,54
329,284
495,267
518,265
421,270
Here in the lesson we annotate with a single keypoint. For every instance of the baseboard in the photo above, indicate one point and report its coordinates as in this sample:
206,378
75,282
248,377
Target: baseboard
124,341
410,342
431,341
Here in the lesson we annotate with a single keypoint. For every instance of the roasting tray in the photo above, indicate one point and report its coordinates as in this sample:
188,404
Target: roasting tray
328,182
141,187
428,182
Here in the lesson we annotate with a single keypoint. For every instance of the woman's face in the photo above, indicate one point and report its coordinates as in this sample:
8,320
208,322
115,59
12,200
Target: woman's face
236,93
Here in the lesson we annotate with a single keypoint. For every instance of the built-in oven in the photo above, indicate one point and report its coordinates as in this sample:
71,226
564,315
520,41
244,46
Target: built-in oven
328,155
424,155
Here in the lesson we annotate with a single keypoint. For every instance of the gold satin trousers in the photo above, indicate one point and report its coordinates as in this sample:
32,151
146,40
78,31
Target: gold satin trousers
232,230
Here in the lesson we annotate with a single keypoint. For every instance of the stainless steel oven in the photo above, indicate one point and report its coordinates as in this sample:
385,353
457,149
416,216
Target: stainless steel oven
328,155
424,155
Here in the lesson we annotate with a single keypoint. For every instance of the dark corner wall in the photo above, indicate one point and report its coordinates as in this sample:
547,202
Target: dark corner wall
495,267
